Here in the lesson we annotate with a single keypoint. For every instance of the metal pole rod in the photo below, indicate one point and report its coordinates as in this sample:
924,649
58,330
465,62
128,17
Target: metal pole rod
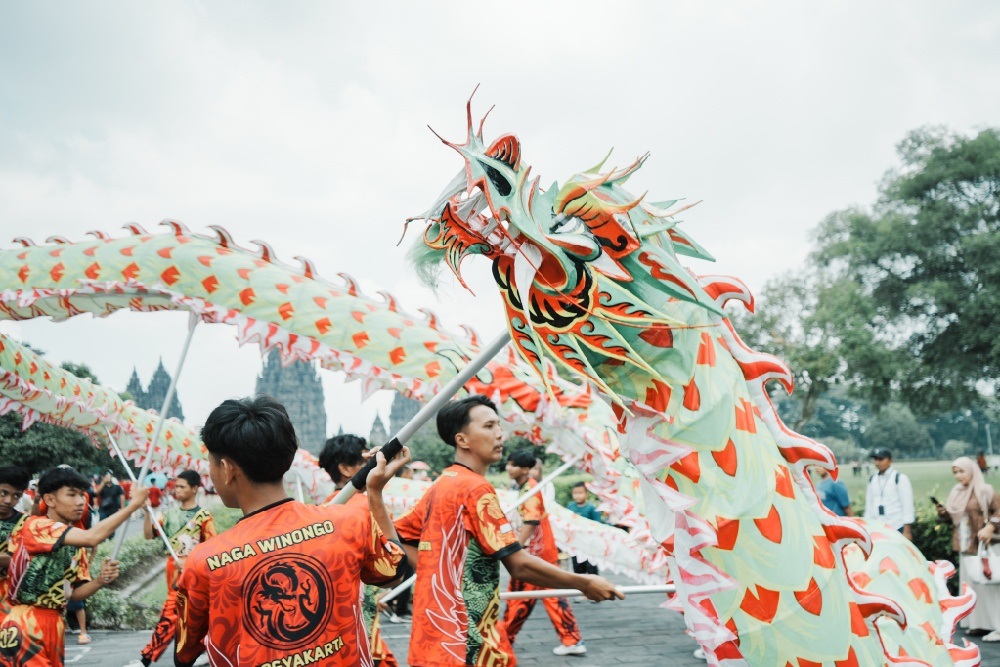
149,507
572,592
192,323
298,484
429,410
395,592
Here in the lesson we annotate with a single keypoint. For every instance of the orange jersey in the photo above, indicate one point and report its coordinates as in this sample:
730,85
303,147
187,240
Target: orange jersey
42,568
461,533
281,587
186,529
7,527
532,511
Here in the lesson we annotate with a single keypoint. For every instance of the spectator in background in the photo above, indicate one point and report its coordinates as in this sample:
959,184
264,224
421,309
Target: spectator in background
981,462
833,494
890,495
584,508
111,497
973,508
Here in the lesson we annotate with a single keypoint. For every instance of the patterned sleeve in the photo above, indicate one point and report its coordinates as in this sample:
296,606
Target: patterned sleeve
208,527
83,569
488,524
382,557
410,525
192,613
533,509
42,535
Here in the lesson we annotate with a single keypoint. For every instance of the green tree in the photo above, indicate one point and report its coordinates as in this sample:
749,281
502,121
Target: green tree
895,427
816,325
923,264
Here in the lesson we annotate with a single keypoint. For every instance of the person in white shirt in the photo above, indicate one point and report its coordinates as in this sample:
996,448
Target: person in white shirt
890,495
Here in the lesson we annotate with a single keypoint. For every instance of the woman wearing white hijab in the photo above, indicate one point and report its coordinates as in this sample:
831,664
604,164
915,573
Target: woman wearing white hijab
964,510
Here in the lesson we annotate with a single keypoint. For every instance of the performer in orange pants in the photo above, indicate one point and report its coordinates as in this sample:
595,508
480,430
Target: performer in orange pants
536,536
342,457
186,526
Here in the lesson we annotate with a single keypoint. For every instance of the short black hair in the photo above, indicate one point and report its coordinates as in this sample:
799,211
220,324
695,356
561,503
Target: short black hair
191,477
523,458
15,476
346,449
453,417
58,478
580,485
256,434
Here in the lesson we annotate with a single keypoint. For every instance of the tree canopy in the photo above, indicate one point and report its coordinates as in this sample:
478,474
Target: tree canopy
920,266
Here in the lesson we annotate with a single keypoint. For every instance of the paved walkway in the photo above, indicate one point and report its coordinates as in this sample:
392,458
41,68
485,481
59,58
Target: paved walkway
634,631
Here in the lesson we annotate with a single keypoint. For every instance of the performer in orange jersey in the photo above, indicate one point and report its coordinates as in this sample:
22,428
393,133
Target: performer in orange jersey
186,526
342,457
49,564
535,535
13,482
457,534
281,586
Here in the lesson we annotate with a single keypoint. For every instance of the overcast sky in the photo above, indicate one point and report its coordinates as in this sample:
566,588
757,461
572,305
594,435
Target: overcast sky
304,124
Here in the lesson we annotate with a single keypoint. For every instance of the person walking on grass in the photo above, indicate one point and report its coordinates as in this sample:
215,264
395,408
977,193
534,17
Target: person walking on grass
890,495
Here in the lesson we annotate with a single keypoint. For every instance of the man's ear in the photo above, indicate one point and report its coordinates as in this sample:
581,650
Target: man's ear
461,440
229,470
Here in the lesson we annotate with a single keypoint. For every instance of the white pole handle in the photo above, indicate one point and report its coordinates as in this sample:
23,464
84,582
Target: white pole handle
572,592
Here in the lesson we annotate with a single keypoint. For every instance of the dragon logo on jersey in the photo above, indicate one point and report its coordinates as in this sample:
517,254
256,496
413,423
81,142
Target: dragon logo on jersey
286,601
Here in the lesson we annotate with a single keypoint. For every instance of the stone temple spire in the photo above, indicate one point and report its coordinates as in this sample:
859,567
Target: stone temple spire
378,436
298,387
157,391
135,388
152,397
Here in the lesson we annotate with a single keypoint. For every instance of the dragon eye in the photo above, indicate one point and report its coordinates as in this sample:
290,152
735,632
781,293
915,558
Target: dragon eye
498,180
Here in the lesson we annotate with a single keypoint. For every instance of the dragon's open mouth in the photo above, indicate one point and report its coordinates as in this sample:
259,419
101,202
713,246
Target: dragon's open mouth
471,209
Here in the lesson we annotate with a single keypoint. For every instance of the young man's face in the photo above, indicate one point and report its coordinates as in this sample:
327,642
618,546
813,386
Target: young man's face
9,497
579,495
183,491
517,473
882,464
67,503
482,436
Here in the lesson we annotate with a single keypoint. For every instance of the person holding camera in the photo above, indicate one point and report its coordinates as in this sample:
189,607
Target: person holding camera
973,509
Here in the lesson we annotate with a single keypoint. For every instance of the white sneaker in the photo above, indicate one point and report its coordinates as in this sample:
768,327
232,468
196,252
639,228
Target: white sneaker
992,637
700,654
573,649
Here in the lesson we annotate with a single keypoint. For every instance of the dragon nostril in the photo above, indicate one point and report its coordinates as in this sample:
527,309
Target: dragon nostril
498,180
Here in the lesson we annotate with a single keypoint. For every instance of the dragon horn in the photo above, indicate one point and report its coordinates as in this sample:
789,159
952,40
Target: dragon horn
225,238
96,233
136,229
177,226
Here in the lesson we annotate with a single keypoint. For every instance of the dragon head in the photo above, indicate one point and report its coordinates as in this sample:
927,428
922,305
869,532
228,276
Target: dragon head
573,261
